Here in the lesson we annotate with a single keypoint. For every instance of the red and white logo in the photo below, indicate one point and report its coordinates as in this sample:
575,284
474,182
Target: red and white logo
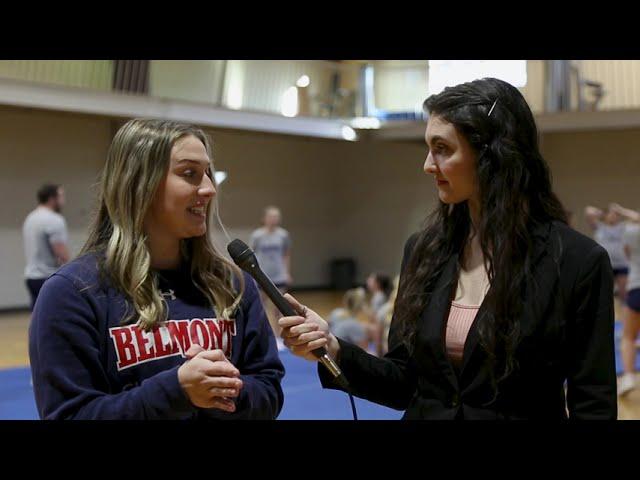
135,346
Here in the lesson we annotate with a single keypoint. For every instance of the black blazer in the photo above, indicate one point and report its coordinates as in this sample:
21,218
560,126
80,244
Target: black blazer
567,335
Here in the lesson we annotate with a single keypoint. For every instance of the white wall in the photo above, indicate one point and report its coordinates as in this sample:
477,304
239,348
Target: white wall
191,80
595,168
338,198
308,178
38,147
94,74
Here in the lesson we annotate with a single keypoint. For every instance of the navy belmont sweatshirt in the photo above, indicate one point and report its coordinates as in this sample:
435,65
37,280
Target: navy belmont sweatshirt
87,365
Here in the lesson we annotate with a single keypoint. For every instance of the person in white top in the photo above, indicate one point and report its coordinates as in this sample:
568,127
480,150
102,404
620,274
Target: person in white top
608,228
272,246
631,312
45,239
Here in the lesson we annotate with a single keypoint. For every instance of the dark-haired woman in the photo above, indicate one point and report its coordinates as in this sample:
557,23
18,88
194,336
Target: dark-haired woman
500,302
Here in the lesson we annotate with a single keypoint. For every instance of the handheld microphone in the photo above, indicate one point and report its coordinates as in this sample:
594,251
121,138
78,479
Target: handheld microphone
244,257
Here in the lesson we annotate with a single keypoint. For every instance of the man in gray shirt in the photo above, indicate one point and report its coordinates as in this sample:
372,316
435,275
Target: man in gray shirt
272,246
45,239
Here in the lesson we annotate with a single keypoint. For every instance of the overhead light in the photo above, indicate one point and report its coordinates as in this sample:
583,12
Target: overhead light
234,96
349,133
365,122
303,81
219,177
289,103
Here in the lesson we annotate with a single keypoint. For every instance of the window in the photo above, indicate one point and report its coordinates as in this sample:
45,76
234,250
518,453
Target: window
444,73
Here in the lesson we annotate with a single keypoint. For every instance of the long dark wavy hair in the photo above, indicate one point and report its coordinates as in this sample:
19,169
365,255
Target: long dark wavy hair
515,196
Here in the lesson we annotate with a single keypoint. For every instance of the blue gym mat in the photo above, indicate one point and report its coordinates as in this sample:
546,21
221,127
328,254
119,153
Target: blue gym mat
304,398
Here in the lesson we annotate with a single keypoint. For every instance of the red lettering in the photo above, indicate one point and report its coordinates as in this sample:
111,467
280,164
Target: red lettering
142,339
198,333
162,350
125,349
179,333
215,333
133,345
229,330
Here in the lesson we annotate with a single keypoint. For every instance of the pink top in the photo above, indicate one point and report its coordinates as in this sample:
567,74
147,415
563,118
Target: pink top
458,326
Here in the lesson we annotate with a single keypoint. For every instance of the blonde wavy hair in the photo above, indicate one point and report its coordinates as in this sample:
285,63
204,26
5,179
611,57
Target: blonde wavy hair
137,161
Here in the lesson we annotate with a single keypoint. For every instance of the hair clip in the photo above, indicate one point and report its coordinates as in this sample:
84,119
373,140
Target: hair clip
492,107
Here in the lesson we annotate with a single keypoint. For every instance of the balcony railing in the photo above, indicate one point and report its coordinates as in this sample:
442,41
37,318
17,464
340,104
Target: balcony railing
318,88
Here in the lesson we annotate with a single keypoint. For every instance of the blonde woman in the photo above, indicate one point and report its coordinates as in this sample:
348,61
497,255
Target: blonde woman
386,314
150,321
348,322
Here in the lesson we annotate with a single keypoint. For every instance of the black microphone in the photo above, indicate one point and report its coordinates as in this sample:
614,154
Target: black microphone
244,257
